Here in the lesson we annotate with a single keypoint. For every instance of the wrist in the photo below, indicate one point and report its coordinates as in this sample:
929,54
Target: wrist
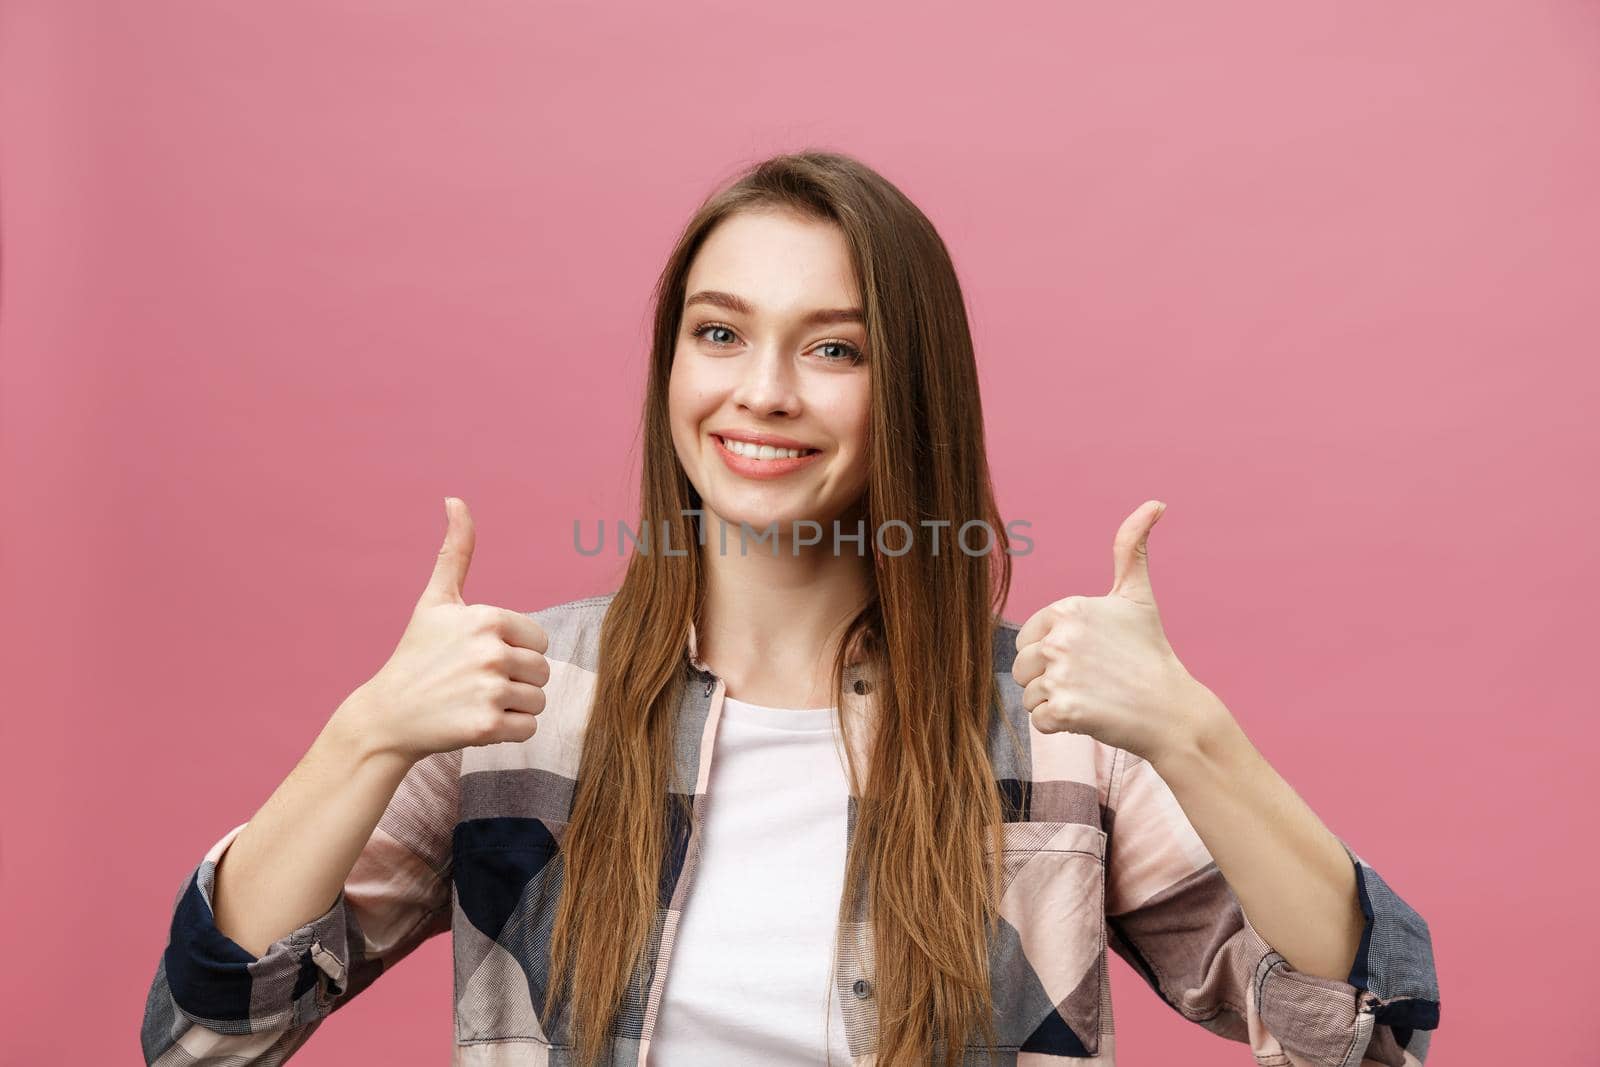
355,730
1209,738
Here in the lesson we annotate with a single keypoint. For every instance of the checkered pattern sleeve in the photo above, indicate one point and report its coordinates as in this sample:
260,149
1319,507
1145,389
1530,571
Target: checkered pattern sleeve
1174,919
213,1003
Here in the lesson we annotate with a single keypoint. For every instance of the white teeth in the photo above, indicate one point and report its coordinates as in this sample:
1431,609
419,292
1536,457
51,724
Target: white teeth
753,451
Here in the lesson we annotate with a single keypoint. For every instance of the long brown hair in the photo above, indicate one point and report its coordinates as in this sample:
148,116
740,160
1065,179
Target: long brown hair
923,863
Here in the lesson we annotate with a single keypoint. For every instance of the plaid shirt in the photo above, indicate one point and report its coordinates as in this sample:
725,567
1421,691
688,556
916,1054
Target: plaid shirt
1097,854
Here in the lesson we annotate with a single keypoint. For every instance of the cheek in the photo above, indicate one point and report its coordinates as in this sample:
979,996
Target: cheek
858,428
854,431
694,384
683,394
681,419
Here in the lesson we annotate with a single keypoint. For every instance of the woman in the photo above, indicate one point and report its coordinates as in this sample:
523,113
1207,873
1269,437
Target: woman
640,793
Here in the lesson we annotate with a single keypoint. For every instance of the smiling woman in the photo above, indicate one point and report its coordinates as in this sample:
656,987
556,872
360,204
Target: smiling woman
806,806
789,385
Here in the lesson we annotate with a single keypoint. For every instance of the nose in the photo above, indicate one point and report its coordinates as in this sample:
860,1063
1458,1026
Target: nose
767,386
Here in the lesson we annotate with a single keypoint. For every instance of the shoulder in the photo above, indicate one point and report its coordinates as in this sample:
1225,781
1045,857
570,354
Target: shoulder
1005,644
573,627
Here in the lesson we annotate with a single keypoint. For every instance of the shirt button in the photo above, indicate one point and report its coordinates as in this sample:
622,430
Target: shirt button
862,988
862,687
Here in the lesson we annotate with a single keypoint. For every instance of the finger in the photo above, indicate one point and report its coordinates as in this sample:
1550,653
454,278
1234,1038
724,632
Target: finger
522,697
1037,626
515,727
1063,715
1130,554
1028,665
527,666
450,569
1040,622
519,630
1035,693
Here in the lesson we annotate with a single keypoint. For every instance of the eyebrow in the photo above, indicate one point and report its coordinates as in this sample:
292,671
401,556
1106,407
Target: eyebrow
738,304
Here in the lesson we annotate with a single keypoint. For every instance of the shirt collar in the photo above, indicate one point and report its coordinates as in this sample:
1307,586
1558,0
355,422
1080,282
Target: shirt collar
859,702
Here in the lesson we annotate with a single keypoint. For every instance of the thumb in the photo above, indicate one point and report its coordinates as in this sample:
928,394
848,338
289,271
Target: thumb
1130,554
450,570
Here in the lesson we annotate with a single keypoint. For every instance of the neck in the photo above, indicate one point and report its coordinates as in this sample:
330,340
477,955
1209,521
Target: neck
772,624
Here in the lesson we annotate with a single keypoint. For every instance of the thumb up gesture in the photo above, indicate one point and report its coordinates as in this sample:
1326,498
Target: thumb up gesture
1102,665
463,674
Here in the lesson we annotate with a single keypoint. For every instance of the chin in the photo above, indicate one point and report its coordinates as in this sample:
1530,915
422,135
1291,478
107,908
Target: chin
759,518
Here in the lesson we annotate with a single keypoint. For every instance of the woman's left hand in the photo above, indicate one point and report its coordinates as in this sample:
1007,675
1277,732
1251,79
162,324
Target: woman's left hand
1102,665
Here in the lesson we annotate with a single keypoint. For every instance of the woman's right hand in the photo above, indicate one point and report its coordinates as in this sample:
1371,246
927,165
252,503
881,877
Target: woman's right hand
462,675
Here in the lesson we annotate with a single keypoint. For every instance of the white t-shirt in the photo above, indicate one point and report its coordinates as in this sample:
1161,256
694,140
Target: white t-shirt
749,977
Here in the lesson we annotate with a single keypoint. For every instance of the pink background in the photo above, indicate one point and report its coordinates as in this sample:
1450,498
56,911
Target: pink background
279,277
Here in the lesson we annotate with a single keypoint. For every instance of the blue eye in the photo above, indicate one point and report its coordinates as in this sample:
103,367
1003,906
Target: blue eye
700,331
852,354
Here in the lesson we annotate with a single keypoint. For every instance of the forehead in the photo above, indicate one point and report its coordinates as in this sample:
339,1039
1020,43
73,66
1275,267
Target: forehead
782,262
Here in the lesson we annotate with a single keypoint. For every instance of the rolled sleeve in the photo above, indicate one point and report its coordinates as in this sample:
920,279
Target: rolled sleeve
215,1004
1173,917
1384,1013
220,985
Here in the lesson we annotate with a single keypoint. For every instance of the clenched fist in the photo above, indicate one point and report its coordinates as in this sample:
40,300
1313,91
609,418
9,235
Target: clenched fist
463,674
1102,665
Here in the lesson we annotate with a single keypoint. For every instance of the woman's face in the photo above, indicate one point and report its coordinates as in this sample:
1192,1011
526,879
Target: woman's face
772,349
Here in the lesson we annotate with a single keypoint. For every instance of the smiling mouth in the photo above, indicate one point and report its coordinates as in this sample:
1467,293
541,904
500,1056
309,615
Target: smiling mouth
762,452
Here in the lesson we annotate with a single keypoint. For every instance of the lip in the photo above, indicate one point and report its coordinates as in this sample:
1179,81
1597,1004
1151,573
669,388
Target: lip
763,468
760,438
